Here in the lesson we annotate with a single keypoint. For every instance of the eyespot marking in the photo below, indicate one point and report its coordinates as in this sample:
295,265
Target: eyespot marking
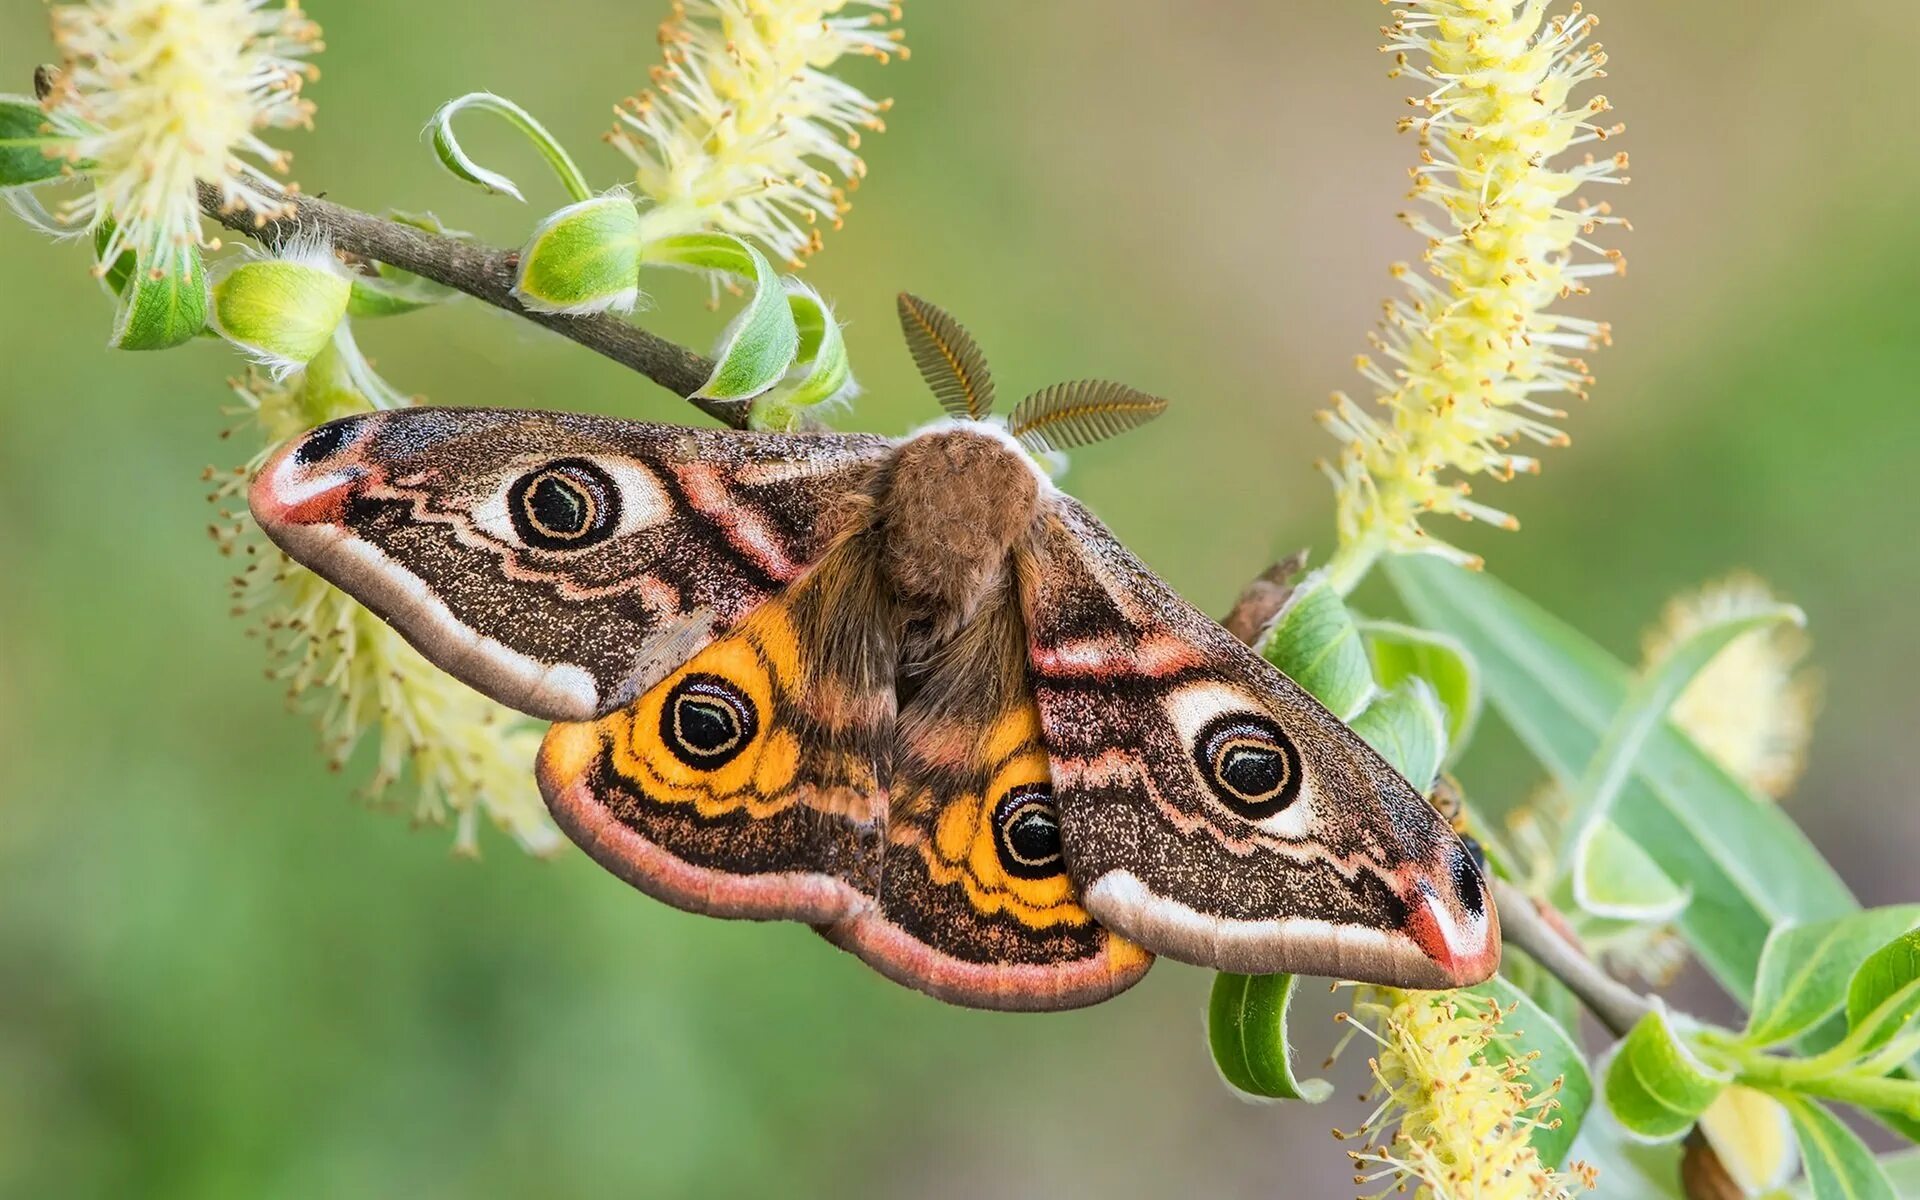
1026,832
706,722
1251,766
569,504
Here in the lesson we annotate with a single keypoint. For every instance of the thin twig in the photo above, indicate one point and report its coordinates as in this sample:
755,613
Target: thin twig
1617,1006
485,274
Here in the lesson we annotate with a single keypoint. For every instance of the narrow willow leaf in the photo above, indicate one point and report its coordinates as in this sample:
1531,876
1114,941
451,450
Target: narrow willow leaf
385,296
949,359
1080,413
1316,642
1644,710
1749,867
1403,651
1247,1029
1408,727
156,314
583,259
1839,1166
763,341
390,291
33,144
455,159
1752,1135
1529,1030
1883,997
1805,969
1655,1085
1617,879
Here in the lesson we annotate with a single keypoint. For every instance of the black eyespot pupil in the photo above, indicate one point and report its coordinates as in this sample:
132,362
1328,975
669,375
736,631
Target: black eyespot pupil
1034,836
707,722
1250,765
569,504
558,506
324,442
1027,832
1253,770
704,725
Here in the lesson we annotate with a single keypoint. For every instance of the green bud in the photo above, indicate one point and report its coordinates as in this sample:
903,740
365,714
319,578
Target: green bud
282,311
162,309
583,259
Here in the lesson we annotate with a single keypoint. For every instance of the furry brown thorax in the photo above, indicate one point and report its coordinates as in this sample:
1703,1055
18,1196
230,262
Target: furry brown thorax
950,508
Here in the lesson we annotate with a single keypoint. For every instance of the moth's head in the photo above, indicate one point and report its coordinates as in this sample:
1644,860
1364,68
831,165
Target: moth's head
1045,424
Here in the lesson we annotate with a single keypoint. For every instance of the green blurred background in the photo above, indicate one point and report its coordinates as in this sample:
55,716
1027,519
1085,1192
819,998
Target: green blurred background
220,976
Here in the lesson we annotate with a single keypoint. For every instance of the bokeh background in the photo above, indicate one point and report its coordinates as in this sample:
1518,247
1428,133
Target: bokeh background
221,976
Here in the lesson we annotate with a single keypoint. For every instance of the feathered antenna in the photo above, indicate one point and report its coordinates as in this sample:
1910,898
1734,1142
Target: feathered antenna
948,359
1080,413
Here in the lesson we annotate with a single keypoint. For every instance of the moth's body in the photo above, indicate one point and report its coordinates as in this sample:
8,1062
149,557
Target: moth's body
905,691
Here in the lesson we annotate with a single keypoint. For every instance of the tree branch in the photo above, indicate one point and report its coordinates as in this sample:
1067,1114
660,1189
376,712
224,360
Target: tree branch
486,274
1617,1006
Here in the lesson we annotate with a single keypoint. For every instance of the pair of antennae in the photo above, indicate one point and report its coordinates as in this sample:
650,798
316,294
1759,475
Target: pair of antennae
1060,417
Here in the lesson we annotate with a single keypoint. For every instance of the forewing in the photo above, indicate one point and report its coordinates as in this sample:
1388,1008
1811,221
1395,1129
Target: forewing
974,904
562,564
751,781
1212,810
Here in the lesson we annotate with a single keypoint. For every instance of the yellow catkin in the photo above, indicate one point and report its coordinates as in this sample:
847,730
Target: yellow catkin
169,94
453,754
1470,358
744,130
1450,1124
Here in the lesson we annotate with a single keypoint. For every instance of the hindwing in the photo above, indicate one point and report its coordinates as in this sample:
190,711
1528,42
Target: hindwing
751,781
975,905
1211,809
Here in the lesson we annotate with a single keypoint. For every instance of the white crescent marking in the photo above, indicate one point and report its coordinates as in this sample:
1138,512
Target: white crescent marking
550,691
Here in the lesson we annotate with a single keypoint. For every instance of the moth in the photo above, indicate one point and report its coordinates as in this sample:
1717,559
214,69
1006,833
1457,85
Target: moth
906,691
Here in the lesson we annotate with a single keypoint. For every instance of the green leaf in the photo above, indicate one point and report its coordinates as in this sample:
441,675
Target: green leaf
1401,651
390,291
1883,997
763,341
456,160
1316,642
1748,866
1805,969
1839,1166
156,314
583,259
33,144
1644,710
1655,1085
1247,1029
1528,1029
1408,726
821,370
1615,878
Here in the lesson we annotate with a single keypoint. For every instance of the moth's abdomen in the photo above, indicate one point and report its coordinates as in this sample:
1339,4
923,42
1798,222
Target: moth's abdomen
954,504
